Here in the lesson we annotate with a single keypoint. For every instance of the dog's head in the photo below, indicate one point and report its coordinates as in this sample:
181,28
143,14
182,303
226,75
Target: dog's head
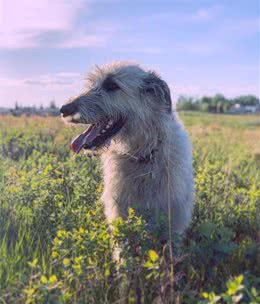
119,97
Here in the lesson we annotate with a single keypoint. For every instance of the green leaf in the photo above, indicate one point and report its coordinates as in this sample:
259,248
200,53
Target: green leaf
43,279
206,229
235,285
33,263
148,264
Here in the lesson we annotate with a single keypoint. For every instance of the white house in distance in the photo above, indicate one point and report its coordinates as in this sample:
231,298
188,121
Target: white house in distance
241,109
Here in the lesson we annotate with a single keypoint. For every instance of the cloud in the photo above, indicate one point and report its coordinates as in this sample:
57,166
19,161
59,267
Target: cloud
55,80
205,14
202,14
201,47
32,24
60,86
143,50
81,40
192,16
41,89
47,80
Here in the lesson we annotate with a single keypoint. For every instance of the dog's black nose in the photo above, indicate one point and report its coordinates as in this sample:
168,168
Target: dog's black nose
68,109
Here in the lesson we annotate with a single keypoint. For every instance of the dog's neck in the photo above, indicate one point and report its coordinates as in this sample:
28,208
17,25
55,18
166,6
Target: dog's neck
147,158
141,145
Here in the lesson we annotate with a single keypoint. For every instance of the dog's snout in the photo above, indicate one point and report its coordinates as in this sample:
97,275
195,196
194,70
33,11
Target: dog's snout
68,109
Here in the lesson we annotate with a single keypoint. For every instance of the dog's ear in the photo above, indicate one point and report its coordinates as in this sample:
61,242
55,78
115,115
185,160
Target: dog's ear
155,86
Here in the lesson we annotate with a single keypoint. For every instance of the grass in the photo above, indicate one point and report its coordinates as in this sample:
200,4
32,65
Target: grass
55,246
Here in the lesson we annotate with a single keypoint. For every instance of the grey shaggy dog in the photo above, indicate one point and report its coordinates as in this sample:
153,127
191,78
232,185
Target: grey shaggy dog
145,151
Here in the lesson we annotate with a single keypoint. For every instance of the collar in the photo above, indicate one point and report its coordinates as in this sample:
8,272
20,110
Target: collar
144,159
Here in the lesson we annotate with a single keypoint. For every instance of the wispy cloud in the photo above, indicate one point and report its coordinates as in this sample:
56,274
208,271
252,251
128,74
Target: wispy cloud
201,47
32,24
41,89
205,14
47,80
197,15
206,46
143,50
61,79
81,40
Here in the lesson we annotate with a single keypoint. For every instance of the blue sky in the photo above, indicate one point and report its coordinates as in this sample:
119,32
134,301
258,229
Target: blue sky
199,47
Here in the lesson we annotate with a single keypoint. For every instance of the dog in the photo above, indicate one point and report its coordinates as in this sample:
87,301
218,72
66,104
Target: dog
145,151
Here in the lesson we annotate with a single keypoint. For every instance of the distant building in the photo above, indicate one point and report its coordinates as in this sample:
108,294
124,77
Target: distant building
241,109
5,111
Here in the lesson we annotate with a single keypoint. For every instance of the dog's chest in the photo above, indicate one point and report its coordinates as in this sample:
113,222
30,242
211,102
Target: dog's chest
130,182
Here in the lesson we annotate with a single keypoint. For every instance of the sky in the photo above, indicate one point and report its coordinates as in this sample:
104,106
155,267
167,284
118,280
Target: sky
200,47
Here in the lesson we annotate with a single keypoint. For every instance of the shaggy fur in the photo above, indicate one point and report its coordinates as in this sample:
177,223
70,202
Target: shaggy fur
152,131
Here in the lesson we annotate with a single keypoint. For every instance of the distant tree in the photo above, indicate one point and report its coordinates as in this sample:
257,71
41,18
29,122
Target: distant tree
246,100
16,106
185,103
206,100
206,104
220,107
204,107
219,97
218,102
52,104
226,106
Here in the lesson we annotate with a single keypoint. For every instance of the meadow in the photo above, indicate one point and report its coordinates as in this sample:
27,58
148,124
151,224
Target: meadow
55,246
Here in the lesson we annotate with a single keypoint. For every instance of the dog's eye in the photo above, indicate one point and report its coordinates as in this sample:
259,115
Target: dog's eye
150,91
110,85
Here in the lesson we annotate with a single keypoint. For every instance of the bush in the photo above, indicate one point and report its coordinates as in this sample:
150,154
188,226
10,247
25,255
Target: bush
56,247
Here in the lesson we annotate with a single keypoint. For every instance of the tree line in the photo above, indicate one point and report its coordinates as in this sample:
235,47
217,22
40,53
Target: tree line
215,104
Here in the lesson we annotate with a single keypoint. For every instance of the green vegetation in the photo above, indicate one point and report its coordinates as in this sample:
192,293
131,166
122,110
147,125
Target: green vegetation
216,104
55,246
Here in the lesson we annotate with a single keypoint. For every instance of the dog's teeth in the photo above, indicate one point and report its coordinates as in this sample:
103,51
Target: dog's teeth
103,131
76,116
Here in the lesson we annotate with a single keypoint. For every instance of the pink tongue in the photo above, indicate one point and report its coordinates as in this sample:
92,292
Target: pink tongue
85,138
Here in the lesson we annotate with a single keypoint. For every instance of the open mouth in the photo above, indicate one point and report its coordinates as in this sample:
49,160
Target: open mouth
97,135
